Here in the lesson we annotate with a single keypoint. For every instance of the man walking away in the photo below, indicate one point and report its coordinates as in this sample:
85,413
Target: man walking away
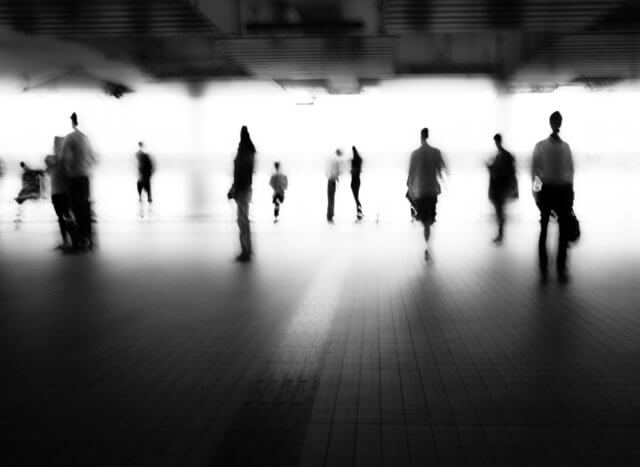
145,170
503,184
279,183
333,175
425,171
356,170
241,191
552,164
78,160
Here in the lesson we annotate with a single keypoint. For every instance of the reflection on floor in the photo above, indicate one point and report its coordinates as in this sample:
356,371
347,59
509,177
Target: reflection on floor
337,346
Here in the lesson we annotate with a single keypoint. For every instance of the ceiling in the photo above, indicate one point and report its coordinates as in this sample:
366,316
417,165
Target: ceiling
338,43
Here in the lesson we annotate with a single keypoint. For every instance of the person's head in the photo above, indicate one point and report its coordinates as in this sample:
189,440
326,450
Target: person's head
276,165
497,138
338,152
140,145
424,135
555,120
22,164
356,154
244,134
245,147
57,145
74,120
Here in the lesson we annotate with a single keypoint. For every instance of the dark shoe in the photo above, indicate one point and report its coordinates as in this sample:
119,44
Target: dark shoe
427,256
563,277
498,240
544,277
243,258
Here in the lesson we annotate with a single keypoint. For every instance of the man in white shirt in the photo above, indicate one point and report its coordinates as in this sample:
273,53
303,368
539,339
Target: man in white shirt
78,160
334,168
552,164
423,187
279,182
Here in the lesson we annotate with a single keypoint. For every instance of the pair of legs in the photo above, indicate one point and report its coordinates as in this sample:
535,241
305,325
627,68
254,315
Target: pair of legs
499,204
426,213
242,202
278,199
331,198
355,189
81,209
144,185
63,211
559,199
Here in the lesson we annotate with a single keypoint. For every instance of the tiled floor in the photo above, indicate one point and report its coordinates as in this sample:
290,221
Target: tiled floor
337,346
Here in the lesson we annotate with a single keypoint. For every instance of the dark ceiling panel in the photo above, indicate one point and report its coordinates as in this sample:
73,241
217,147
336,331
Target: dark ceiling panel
450,16
334,40
307,57
100,18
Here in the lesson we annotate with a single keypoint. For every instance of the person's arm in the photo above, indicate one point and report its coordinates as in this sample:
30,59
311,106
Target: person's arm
65,155
89,152
535,162
443,165
285,183
412,170
570,162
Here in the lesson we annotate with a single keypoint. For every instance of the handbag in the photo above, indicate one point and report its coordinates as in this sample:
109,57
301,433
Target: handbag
573,228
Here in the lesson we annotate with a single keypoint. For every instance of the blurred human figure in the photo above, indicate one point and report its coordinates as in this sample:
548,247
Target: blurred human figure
552,166
423,187
279,183
59,193
356,170
31,189
145,170
334,169
78,161
241,190
503,184
28,188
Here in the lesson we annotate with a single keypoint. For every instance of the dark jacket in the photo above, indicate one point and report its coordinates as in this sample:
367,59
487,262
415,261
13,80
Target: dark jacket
243,169
503,182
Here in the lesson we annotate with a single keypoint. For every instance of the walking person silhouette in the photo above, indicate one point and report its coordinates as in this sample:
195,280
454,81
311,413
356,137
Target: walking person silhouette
503,184
241,191
552,166
425,171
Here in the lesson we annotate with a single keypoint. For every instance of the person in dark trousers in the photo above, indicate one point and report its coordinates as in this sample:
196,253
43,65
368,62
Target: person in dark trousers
334,169
356,170
59,194
145,170
552,165
279,183
503,184
78,161
423,187
241,191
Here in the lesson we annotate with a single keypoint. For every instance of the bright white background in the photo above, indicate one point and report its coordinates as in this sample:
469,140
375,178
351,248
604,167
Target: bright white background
193,140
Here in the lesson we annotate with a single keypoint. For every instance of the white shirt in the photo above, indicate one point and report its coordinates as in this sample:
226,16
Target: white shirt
279,182
552,162
425,169
334,168
78,157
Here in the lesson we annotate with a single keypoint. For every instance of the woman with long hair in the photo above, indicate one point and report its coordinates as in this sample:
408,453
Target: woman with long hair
241,191
356,170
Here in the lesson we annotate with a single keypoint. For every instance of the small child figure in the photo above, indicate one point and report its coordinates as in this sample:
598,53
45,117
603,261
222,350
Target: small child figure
279,183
